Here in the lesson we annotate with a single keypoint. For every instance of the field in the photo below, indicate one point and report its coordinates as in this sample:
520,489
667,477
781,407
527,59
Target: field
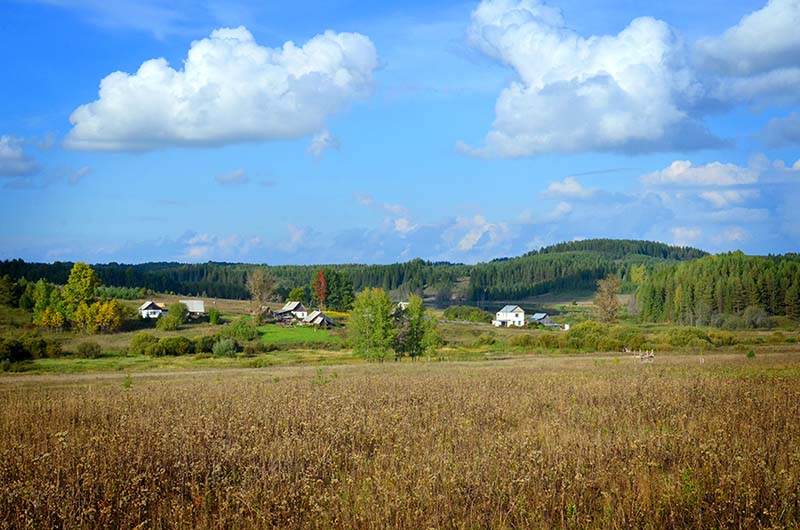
587,441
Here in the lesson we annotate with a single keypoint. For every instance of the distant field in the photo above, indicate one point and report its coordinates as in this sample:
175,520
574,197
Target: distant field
276,334
587,441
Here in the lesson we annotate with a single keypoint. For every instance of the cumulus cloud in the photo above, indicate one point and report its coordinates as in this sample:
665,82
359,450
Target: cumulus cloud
685,235
762,41
628,92
781,132
727,198
232,178
758,59
683,172
569,187
207,246
230,89
14,162
322,142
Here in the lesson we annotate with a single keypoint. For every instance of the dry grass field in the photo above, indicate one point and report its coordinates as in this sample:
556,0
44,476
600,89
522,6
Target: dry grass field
547,442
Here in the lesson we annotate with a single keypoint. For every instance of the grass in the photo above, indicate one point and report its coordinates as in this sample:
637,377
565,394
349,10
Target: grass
278,334
546,442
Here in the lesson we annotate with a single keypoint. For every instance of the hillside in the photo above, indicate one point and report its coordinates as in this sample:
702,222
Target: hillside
568,266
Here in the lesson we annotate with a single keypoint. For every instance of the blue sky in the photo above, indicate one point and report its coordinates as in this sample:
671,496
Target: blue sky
325,132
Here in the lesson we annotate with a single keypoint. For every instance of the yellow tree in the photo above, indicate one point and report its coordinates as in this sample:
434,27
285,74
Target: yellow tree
605,299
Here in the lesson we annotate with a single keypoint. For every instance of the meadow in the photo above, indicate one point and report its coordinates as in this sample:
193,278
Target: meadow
581,441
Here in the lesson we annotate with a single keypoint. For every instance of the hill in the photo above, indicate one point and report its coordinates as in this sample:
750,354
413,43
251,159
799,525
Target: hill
567,266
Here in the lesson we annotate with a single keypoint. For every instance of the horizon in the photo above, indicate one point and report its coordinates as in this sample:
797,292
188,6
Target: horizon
346,133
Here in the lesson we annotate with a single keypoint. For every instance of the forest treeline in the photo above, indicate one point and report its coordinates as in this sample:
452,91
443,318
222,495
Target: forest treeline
566,266
703,291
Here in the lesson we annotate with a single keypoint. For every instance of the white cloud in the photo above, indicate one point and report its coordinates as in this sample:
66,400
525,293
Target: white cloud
403,225
207,246
727,198
762,41
13,160
685,235
733,234
569,187
758,59
230,90
471,233
321,142
625,92
232,178
683,172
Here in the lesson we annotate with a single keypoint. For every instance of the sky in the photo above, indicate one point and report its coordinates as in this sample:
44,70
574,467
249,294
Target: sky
375,132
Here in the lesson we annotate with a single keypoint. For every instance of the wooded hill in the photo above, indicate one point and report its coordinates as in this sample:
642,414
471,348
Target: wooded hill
566,266
700,292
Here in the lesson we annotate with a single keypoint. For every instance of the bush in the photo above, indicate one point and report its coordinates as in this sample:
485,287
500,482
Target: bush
11,350
254,348
213,316
205,344
176,345
241,329
88,350
684,336
722,338
225,347
169,322
468,313
751,354
155,350
755,317
141,342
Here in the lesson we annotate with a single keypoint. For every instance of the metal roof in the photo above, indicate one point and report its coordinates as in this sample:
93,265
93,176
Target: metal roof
292,306
194,306
539,316
511,309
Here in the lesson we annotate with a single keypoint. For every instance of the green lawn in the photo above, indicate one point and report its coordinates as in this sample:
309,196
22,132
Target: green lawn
276,334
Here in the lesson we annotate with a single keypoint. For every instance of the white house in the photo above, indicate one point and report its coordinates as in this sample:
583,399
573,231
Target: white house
295,308
151,309
510,315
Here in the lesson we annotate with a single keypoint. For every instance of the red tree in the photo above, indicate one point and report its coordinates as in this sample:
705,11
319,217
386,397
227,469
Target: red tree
320,289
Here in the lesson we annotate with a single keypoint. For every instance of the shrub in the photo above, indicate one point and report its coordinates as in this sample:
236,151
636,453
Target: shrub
11,350
155,349
205,343
169,322
722,338
225,347
683,336
140,342
241,329
88,350
177,345
751,354
254,348
755,317
213,316
587,335
468,313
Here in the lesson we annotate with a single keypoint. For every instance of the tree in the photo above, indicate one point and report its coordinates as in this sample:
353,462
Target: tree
81,286
416,333
605,299
179,312
298,294
109,315
84,318
320,289
371,327
9,291
260,284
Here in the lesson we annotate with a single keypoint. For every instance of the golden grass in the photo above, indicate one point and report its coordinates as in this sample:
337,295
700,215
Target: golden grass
567,442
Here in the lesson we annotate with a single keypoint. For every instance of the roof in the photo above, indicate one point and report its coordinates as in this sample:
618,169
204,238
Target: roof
539,316
511,309
150,305
292,306
194,306
317,317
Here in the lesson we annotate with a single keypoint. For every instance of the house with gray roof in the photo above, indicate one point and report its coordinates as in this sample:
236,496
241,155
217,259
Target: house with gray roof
510,315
